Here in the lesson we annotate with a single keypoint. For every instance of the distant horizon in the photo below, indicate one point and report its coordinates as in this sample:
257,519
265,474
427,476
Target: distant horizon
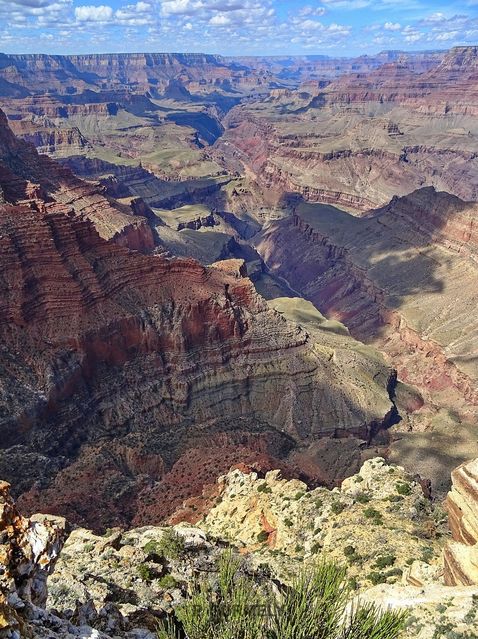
336,28
242,55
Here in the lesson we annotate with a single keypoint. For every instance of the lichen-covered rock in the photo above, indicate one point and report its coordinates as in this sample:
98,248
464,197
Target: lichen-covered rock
434,610
378,522
29,549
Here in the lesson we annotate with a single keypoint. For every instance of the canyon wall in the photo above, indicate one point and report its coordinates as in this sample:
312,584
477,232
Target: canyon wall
364,137
403,279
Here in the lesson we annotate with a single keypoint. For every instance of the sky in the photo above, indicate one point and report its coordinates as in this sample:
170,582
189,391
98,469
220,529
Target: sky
236,27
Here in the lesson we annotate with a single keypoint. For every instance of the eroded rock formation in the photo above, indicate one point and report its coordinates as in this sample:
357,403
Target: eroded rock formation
99,343
38,182
402,278
366,136
461,554
29,549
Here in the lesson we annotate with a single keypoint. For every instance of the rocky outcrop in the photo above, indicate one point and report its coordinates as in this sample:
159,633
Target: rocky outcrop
353,523
378,525
461,555
29,549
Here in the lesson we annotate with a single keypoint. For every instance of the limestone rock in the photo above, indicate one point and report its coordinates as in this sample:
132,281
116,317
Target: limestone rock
29,549
434,610
461,555
378,522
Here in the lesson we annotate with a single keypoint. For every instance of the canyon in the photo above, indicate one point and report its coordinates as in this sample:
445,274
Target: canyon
212,261
156,368
237,315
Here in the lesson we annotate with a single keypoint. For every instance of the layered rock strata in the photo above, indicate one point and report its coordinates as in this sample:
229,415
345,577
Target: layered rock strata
461,554
100,344
402,278
37,181
366,136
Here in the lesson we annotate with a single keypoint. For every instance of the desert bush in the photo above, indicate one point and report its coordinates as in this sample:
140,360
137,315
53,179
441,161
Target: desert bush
171,545
311,607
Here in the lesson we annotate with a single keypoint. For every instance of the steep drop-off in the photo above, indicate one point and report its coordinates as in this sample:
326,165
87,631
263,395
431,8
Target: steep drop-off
102,345
404,279
37,181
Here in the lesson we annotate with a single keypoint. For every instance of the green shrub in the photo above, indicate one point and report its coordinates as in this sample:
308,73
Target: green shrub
403,488
262,537
144,572
288,523
374,515
395,498
299,495
351,554
377,578
167,581
171,544
427,554
311,607
337,507
264,488
362,498
152,548
385,561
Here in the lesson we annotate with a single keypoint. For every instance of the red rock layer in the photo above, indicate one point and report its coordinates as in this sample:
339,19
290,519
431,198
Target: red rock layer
101,345
26,176
353,269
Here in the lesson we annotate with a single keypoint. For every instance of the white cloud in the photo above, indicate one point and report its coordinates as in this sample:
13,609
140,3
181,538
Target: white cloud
392,26
220,20
134,14
89,13
180,7
308,10
447,35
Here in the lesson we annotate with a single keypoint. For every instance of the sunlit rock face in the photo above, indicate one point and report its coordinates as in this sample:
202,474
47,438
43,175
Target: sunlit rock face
29,549
365,137
100,344
461,554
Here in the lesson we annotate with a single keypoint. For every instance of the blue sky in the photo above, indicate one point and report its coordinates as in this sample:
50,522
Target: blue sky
236,27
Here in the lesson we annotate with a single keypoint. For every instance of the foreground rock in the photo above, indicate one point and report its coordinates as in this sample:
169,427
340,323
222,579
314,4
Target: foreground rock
286,524
120,584
29,549
461,554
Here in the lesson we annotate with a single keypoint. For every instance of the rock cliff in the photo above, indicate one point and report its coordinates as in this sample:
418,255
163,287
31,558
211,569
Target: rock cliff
393,278
101,344
461,554
39,182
